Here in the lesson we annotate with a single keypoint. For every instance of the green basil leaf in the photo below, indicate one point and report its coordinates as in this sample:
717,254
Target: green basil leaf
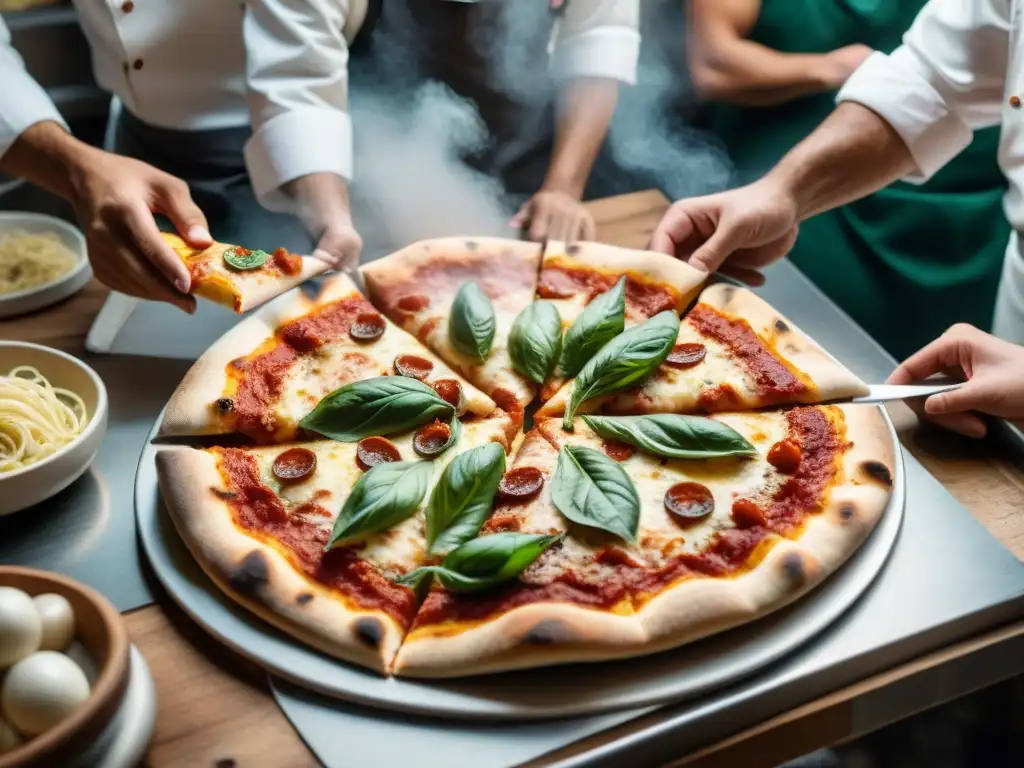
384,496
623,361
379,406
674,436
463,497
485,562
471,322
243,259
535,340
603,319
593,490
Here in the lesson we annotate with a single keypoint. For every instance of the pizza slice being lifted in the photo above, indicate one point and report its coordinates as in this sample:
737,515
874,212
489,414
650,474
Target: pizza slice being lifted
733,352
274,368
311,536
460,298
672,528
243,279
598,290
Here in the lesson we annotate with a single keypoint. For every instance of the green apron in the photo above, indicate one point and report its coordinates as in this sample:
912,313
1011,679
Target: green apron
908,261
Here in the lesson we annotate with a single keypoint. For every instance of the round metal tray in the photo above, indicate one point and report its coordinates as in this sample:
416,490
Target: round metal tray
570,690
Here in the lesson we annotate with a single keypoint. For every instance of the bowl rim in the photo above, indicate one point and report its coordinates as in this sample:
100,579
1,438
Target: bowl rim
91,428
110,683
81,252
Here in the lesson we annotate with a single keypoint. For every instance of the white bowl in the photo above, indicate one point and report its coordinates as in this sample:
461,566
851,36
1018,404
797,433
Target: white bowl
37,482
40,296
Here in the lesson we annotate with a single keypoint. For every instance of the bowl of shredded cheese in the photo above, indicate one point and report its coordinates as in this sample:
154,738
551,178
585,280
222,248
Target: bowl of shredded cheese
43,260
53,415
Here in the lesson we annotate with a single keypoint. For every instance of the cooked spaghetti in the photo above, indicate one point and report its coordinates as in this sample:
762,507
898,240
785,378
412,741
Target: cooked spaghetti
28,260
36,418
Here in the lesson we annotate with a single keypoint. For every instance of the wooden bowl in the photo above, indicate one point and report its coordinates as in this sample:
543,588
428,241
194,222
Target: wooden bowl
22,488
100,629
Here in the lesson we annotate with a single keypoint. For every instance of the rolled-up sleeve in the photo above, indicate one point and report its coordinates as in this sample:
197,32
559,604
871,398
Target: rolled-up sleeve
598,38
23,102
947,79
297,82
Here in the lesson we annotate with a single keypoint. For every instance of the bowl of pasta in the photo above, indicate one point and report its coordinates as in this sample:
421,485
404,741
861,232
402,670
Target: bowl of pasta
53,415
43,260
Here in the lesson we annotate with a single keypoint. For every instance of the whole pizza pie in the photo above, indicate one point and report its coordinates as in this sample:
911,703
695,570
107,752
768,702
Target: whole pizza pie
499,456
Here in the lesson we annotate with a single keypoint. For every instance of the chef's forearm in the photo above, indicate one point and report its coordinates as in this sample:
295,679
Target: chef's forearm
852,154
46,155
585,109
320,199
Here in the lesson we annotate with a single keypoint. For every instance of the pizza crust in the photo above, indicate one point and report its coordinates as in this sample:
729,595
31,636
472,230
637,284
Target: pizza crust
652,265
831,378
550,633
256,575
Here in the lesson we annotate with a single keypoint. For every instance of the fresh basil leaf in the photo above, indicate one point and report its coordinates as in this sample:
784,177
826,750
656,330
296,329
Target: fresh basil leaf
463,497
485,562
593,490
242,259
471,322
673,436
603,319
623,361
384,496
535,340
379,406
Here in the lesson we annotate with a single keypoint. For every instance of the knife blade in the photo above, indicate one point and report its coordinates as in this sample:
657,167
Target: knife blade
882,393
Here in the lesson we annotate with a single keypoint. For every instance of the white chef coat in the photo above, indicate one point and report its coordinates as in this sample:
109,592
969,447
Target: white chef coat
960,68
172,63
298,80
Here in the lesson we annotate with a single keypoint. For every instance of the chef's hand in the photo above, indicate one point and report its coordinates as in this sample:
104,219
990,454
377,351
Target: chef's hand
321,200
738,232
555,215
993,369
114,199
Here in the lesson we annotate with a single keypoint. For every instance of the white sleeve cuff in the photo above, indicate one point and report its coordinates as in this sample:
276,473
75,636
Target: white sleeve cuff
611,52
298,142
896,88
24,104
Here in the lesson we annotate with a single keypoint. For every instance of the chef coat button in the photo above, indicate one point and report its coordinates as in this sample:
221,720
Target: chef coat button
137,64
128,6
1015,102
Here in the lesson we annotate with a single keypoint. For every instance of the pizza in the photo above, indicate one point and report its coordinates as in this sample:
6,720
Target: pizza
344,469
257,519
243,279
572,276
460,297
269,371
733,352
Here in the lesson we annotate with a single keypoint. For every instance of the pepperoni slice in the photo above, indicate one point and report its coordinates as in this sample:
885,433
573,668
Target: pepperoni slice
521,483
450,391
688,502
294,464
785,456
372,451
746,514
413,366
686,355
556,284
616,450
367,327
414,302
432,439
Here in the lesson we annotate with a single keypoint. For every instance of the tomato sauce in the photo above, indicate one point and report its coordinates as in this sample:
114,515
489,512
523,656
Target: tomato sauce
257,510
774,382
288,263
643,299
729,553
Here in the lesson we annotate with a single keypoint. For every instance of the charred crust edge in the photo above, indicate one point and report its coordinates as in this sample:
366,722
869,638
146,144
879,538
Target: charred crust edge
780,326
550,632
250,574
878,472
303,597
847,512
795,568
573,248
471,245
369,631
224,495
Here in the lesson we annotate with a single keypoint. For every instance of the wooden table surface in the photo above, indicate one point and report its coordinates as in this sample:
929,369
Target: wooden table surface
215,708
